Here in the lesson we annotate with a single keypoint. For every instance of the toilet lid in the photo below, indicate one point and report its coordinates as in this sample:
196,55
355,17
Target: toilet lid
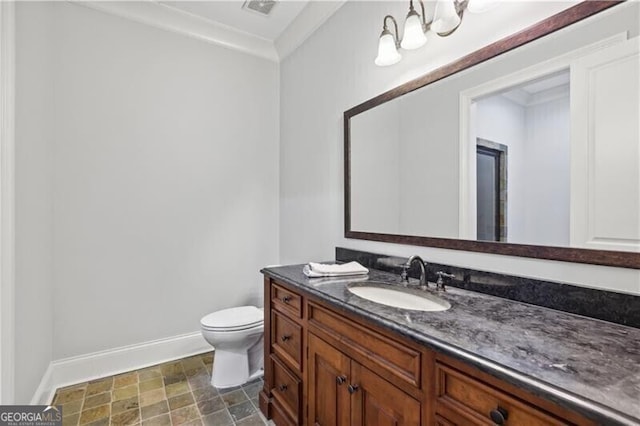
234,318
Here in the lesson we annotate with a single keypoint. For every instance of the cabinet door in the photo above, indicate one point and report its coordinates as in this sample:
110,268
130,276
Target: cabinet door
328,398
376,402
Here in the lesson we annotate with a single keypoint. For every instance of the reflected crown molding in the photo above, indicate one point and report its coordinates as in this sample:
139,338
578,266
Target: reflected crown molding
165,17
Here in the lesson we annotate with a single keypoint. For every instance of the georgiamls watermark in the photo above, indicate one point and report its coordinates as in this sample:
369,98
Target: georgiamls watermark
30,415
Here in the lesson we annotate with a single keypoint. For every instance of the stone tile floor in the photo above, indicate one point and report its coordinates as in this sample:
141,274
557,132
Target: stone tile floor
174,393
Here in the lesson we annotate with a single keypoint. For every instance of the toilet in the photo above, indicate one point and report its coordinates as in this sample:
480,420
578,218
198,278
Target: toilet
237,337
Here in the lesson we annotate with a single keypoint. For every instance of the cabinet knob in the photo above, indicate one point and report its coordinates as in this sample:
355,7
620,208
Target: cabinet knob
285,337
282,388
341,379
352,388
286,299
499,415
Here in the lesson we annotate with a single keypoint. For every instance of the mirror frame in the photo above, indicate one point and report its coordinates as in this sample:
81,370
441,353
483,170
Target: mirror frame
566,254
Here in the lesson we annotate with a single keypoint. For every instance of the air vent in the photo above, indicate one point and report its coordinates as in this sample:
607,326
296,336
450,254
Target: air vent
263,7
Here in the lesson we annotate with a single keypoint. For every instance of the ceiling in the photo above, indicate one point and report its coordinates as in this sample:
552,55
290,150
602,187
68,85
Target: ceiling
540,90
547,83
226,23
231,13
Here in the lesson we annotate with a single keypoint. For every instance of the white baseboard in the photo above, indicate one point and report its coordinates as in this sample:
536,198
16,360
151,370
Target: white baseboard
78,369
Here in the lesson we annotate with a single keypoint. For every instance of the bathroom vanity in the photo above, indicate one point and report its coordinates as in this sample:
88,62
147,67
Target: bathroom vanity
333,358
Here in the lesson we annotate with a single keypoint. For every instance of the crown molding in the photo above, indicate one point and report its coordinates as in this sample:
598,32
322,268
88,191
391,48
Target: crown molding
525,99
171,19
168,18
306,23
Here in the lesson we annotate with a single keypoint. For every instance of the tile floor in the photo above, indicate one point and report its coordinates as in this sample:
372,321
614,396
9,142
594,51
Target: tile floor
174,393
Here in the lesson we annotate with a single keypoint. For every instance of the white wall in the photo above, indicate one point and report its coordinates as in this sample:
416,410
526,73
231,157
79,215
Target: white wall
34,219
165,180
334,71
538,165
375,196
164,175
429,184
547,173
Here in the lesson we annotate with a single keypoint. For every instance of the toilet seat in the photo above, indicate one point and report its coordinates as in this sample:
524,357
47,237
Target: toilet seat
229,329
233,319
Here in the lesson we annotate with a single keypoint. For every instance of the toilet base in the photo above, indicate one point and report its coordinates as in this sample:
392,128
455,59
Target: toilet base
257,375
235,368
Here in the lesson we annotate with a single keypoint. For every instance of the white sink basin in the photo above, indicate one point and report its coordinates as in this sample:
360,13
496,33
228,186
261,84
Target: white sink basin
400,298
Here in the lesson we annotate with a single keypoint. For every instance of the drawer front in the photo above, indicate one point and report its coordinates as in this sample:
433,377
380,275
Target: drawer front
279,418
286,390
286,340
286,301
391,356
464,400
443,422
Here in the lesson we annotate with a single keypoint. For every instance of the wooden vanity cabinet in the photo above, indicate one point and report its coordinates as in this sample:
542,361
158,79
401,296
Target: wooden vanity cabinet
327,367
344,392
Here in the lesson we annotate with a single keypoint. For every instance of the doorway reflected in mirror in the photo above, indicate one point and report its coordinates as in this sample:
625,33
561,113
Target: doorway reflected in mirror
492,190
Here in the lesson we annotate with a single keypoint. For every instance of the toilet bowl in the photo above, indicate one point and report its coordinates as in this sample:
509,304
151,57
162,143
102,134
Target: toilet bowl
237,337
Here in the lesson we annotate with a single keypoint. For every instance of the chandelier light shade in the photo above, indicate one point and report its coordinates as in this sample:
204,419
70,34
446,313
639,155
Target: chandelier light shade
446,18
388,45
414,36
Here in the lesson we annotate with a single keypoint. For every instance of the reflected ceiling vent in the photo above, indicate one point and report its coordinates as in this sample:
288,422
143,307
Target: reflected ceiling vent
263,7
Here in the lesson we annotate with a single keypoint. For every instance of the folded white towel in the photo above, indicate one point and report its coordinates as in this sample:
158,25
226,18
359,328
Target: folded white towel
343,279
323,270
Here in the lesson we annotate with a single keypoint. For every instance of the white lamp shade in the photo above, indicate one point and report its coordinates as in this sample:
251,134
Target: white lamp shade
387,52
481,6
413,36
446,17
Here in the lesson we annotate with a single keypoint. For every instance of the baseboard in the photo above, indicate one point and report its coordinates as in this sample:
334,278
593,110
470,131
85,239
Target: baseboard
69,371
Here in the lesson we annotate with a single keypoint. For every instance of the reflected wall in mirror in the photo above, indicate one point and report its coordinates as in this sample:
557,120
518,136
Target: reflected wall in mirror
531,153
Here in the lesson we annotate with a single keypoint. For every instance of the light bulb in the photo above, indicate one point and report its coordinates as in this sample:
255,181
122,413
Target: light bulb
413,36
387,51
445,18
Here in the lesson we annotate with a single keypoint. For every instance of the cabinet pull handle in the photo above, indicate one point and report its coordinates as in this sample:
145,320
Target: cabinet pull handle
499,415
286,299
352,388
282,388
285,337
341,379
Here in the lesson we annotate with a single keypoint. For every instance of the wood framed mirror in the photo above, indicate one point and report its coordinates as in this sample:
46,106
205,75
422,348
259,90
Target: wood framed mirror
412,168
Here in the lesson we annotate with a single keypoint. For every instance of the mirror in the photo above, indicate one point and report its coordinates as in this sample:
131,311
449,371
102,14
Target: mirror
535,153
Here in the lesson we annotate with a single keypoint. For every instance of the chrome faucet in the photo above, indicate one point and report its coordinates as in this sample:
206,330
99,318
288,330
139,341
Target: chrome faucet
404,276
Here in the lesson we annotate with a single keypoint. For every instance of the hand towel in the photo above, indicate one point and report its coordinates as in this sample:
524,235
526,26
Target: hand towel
338,270
345,279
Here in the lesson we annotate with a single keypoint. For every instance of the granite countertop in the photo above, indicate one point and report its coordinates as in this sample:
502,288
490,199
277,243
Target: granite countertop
586,365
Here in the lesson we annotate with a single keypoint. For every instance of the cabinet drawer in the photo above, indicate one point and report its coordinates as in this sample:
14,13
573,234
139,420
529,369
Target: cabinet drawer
286,301
286,340
286,390
464,400
443,422
384,353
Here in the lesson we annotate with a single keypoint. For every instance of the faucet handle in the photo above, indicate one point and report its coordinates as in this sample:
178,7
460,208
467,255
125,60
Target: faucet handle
404,275
440,283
